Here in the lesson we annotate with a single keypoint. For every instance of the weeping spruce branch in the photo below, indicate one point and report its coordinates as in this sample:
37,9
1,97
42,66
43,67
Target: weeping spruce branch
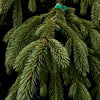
5,5
39,58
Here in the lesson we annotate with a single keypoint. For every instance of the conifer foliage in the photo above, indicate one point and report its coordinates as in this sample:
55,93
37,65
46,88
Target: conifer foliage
35,54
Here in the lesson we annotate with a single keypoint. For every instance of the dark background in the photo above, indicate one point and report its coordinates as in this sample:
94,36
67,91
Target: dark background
7,80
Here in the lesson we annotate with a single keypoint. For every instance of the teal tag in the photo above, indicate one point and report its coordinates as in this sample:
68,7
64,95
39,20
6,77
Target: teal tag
64,8
59,6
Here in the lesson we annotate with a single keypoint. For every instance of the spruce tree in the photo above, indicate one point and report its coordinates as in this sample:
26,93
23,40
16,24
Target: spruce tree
37,56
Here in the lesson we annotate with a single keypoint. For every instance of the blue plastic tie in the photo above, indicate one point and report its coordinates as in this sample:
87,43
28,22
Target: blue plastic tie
59,6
